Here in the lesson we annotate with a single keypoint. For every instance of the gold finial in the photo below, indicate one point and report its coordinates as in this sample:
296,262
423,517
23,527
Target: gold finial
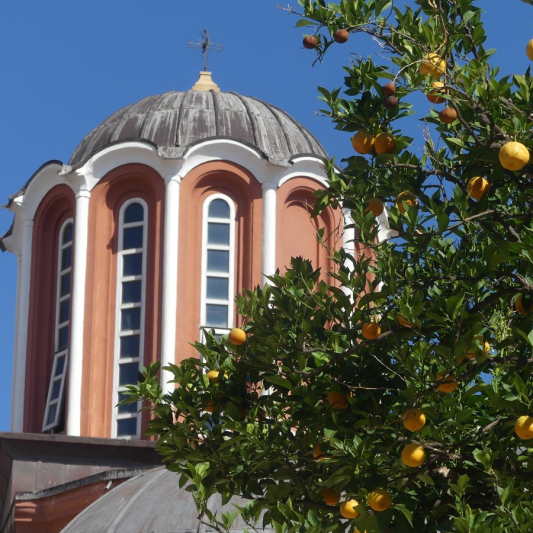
205,83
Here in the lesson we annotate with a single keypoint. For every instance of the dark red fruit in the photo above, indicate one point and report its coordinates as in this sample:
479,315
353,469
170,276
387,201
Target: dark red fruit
310,42
341,36
390,102
389,89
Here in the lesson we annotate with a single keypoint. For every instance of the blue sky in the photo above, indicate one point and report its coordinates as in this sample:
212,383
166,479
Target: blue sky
66,65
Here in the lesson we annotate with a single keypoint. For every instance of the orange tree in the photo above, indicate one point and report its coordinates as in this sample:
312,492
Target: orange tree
407,407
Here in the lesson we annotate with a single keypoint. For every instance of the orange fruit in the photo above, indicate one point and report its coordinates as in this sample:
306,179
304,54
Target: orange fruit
329,496
524,305
514,156
435,96
388,89
450,382
524,427
363,142
385,143
341,36
405,323
448,115
317,451
376,206
432,65
347,509
408,198
371,330
310,42
414,419
473,351
379,500
210,406
477,187
237,336
529,50
337,400
413,455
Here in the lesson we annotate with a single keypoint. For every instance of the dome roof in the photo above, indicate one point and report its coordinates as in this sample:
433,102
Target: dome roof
174,121
152,503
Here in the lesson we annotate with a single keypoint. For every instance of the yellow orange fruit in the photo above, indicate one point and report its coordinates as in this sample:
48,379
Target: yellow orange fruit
405,323
379,500
524,427
414,419
529,50
407,198
450,382
435,95
329,496
514,156
385,143
413,455
237,336
371,330
376,206
337,400
213,375
347,509
524,305
477,187
432,65
363,142
473,351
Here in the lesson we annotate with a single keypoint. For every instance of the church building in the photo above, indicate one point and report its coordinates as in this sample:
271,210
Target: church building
165,211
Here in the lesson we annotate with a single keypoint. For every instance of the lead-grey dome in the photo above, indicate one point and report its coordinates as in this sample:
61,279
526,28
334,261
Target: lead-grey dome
150,503
176,120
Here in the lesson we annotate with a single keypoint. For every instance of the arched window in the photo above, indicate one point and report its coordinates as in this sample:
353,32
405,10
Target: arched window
130,306
218,264
56,389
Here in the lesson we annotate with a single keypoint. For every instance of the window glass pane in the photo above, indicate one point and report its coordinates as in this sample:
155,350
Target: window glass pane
131,292
217,233
51,414
60,365
64,310
130,408
129,346
134,213
67,234
218,209
62,338
216,315
133,238
132,265
56,387
217,261
127,427
218,288
66,258
131,319
128,373
64,284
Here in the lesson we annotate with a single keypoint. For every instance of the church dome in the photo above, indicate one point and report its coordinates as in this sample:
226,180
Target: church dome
175,121
152,503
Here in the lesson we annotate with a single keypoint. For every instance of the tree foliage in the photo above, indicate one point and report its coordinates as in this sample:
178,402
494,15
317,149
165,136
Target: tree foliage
443,288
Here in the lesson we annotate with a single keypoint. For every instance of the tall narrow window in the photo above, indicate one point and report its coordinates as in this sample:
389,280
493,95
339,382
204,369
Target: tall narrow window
129,338
218,263
55,398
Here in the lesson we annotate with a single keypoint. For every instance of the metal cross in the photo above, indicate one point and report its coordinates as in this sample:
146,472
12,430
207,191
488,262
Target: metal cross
205,44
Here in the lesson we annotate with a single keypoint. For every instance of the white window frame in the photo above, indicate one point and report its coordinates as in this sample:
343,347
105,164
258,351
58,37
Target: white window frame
119,306
205,274
58,326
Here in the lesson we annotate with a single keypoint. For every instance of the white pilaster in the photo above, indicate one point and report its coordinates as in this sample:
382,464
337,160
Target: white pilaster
269,229
21,328
75,369
170,276
348,242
